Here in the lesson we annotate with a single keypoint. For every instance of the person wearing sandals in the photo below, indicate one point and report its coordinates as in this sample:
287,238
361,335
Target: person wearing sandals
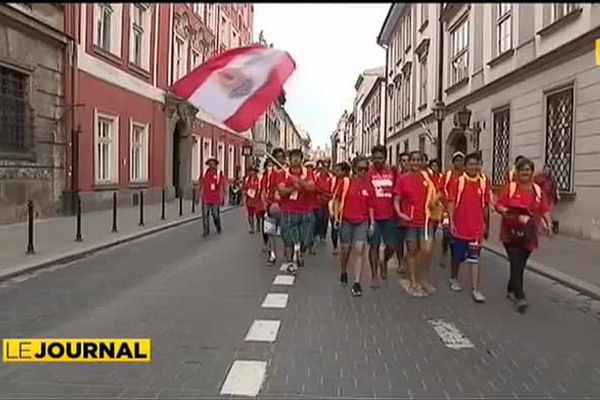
297,219
400,248
416,196
355,200
468,205
524,209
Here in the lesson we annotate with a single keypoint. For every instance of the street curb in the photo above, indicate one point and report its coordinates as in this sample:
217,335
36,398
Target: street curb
94,248
579,285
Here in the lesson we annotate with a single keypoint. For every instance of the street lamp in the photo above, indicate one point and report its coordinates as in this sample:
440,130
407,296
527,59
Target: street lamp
462,117
439,113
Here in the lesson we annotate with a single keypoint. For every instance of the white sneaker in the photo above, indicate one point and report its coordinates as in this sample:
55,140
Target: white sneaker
478,297
454,285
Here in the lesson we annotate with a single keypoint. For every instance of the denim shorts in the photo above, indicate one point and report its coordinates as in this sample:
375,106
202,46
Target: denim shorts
465,251
413,234
296,228
386,230
351,233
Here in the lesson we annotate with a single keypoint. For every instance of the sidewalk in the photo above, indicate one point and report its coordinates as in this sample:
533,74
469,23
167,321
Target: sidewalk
574,263
54,238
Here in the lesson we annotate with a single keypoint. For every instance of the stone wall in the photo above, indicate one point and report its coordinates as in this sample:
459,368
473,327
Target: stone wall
38,173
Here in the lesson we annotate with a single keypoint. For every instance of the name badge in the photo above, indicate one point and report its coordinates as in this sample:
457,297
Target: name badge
294,196
213,187
251,193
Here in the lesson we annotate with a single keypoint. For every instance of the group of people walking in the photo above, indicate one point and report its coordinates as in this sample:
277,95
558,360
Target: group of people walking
377,211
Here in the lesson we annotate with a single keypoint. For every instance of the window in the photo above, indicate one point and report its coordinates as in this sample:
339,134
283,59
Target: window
14,130
206,151
504,27
459,60
423,82
560,10
406,97
422,144
104,26
196,59
500,146
424,13
221,157
398,154
180,59
406,148
223,30
407,30
138,34
139,153
106,149
559,137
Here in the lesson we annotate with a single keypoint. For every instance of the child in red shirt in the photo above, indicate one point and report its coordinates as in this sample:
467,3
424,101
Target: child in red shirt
468,203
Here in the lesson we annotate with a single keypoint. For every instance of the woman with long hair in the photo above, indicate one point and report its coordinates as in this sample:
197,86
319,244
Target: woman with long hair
524,208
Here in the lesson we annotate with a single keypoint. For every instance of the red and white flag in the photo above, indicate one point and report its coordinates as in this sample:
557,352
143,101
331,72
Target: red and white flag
236,87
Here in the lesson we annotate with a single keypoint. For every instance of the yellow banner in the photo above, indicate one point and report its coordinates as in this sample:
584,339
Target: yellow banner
598,52
76,350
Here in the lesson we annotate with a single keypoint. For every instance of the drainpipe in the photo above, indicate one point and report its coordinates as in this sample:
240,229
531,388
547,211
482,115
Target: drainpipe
385,96
440,86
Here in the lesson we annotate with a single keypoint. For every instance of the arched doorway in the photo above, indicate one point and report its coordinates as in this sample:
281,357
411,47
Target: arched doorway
457,141
178,134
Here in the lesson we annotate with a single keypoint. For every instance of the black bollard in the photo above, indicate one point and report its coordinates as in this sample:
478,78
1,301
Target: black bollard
114,227
180,202
78,237
30,227
162,211
141,208
193,201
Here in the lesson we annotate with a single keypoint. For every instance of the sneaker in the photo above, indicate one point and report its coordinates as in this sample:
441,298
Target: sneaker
272,259
344,278
356,289
522,305
511,296
292,268
454,285
478,297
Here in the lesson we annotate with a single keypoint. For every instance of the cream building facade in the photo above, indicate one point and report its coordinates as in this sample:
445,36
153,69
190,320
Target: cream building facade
359,143
516,79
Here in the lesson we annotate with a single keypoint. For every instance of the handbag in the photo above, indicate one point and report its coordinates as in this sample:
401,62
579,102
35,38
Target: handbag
270,226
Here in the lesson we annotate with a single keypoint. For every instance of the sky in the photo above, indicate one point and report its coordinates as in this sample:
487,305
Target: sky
331,44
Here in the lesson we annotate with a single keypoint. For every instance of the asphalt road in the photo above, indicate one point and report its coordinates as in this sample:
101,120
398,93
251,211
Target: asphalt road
196,300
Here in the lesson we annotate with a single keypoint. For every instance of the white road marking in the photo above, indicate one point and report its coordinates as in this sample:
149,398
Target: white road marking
263,330
275,300
245,378
451,336
284,280
284,267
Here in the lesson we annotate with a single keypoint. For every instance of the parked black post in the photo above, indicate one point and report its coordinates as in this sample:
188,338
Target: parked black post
30,227
180,202
141,208
162,209
78,211
114,227
193,201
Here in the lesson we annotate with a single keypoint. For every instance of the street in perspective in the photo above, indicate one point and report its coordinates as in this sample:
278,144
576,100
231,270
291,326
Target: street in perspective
253,200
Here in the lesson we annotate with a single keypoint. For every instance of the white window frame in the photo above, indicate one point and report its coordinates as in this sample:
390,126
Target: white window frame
504,24
114,32
179,60
221,156
196,157
424,13
406,92
196,58
113,148
206,152
459,52
140,29
143,146
408,29
560,10
423,82
230,161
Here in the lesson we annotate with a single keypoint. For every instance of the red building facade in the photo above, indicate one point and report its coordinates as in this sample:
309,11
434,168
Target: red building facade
126,132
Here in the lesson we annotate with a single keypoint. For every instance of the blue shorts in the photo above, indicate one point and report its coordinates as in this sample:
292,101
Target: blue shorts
412,234
296,229
386,230
351,233
465,251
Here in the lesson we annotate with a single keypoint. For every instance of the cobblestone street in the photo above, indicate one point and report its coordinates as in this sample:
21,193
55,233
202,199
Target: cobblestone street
196,299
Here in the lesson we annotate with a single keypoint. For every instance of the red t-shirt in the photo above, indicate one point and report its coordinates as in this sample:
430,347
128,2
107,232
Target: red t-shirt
275,177
469,223
525,199
359,198
412,189
251,191
399,175
323,183
300,201
383,186
212,183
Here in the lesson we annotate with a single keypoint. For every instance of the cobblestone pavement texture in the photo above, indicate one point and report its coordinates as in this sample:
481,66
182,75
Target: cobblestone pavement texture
197,298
